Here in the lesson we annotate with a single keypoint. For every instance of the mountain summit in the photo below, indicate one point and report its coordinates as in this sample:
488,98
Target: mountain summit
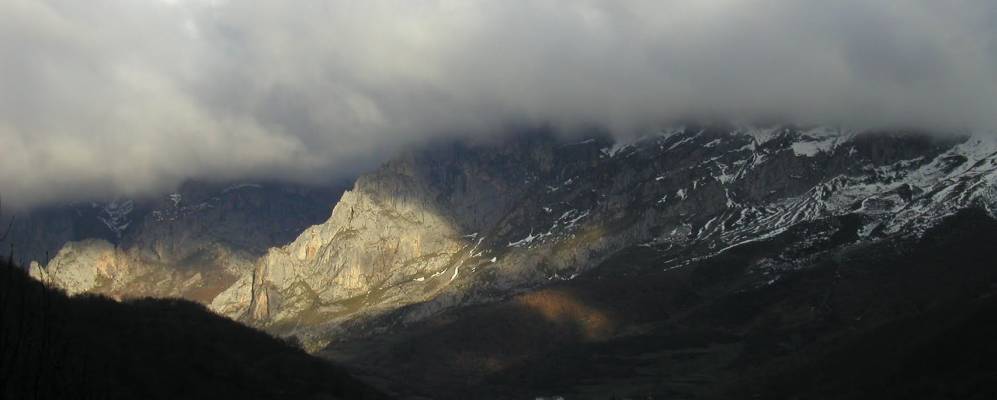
463,226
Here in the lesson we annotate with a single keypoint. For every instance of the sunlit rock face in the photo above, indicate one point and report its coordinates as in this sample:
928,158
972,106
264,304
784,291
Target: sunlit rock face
456,224
401,235
194,243
459,224
83,267
97,266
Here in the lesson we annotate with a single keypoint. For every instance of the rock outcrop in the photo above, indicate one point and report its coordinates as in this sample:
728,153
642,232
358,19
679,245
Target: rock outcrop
193,244
97,266
460,224
457,224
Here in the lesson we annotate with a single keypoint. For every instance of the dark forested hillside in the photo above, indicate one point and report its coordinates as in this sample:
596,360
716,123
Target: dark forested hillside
91,347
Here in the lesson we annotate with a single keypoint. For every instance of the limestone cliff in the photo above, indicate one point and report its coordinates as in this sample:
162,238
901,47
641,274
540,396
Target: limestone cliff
464,223
97,266
458,223
193,243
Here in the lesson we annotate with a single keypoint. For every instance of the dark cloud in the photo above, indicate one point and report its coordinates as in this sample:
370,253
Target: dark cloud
129,97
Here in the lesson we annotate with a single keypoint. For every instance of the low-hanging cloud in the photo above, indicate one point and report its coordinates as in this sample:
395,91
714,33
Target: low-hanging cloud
128,97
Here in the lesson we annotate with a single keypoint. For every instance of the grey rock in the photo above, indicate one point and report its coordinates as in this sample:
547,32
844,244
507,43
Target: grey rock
461,223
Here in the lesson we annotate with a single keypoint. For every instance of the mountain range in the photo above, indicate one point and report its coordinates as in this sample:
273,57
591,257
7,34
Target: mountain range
699,261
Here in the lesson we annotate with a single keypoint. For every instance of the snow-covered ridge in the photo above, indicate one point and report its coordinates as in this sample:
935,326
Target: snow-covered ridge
468,221
807,142
904,197
820,140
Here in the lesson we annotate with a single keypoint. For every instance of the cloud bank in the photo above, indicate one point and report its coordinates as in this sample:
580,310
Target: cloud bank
129,97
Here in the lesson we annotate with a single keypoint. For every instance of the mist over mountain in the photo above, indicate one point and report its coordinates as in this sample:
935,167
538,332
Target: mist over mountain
548,199
601,268
108,98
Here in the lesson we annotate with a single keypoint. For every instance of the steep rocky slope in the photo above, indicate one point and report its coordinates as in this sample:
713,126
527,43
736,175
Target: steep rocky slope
796,315
461,224
470,262
192,244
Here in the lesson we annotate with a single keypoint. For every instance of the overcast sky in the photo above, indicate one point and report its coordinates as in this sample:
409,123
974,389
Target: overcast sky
105,97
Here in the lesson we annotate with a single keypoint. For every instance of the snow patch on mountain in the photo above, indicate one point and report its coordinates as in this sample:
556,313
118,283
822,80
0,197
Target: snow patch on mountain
819,140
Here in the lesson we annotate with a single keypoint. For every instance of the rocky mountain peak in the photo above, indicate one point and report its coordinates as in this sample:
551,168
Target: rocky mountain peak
464,223
192,243
461,223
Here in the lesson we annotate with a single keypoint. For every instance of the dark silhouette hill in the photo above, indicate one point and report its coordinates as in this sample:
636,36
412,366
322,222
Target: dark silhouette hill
91,347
